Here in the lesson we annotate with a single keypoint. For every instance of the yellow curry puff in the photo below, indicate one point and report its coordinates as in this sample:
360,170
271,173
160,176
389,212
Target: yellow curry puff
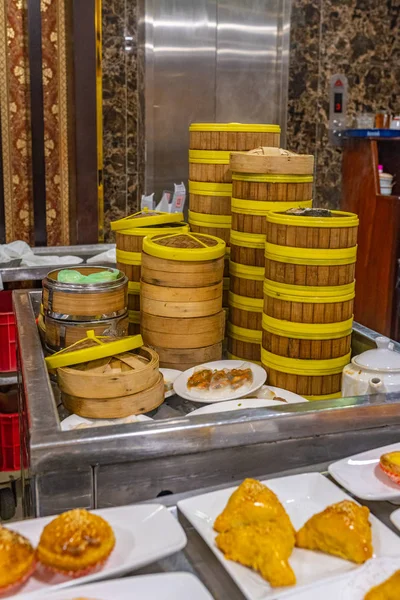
388,590
75,543
342,529
255,530
17,559
390,465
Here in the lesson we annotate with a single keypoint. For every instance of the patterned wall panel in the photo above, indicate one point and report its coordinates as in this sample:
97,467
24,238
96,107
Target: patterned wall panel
56,115
15,121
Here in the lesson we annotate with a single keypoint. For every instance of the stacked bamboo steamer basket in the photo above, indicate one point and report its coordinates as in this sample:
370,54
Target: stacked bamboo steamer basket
264,179
210,180
308,300
69,309
107,378
181,298
129,233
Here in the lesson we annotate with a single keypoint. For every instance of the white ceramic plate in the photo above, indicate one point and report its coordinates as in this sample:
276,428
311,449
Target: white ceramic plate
166,586
77,422
144,533
354,586
302,496
269,392
395,518
240,404
169,376
360,474
180,384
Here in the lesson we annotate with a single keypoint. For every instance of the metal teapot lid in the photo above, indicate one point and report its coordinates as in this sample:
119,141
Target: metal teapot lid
383,358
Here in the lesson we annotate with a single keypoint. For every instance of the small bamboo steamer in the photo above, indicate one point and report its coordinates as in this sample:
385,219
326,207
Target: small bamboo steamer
118,407
233,136
248,249
137,371
246,280
244,343
311,250
84,302
216,225
181,302
210,198
59,334
185,260
209,166
245,312
182,359
169,332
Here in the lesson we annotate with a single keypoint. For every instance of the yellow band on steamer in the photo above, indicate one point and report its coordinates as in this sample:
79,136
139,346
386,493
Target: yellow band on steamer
306,293
245,303
133,287
259,207
248,240
246,271
311,256
307,331
245,360
201,188
129,258
239,127
204,220
209,157
300,366
339,219
273,178
152,231
324,397
244,335
134,316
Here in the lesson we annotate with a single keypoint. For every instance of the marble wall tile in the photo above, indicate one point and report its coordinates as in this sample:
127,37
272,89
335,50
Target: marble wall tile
359,38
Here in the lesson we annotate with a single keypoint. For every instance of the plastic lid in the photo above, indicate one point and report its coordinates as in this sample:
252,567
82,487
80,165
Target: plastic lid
185,246
92,348
383,358
250,127
145,218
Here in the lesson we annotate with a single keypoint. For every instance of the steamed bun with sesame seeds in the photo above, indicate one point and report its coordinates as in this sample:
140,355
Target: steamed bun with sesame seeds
76,543
17,560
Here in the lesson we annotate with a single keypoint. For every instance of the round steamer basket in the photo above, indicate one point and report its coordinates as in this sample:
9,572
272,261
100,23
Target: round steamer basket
244,343
182,359
209,166
246,280
182,302
233,136
216,225
248,248
308,300
84,302
182,332
254,195
210,198
311,250
185,260
59,334
245,312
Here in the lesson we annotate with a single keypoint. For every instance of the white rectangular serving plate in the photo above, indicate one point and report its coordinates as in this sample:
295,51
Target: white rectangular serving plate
360,475
168,586
144,533
302,496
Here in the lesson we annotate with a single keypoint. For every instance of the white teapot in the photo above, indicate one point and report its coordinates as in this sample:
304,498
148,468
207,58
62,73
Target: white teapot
373,372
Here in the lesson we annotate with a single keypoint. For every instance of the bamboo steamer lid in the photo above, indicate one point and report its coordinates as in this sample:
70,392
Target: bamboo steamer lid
272,160
146,218
187,247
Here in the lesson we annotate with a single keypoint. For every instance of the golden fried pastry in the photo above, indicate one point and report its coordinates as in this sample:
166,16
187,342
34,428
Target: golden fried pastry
390,465
342,529
253,502
388,590
17,559
263,547
76,543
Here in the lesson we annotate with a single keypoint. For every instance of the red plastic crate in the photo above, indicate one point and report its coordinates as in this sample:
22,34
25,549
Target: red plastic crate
10,457
8,356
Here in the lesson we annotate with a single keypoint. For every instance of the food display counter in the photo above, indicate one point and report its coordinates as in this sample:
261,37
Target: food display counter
174,453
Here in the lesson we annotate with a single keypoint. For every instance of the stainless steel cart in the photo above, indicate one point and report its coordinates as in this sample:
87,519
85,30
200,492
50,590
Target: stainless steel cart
115,465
